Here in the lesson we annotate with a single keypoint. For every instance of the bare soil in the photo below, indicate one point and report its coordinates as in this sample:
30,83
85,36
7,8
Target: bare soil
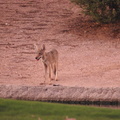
89,53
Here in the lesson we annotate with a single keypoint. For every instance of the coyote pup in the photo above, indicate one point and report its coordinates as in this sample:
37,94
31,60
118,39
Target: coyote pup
50,61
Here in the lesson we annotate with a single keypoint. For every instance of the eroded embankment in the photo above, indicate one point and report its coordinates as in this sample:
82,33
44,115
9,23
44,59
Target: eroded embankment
78,95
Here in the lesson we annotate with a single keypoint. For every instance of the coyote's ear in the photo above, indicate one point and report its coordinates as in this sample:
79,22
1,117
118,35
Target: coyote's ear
43,47
35,47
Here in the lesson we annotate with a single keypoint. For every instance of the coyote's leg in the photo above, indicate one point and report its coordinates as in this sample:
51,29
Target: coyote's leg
50,72
45,71
56,72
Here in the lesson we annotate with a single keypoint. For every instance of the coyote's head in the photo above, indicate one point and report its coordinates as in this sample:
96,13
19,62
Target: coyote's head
40,52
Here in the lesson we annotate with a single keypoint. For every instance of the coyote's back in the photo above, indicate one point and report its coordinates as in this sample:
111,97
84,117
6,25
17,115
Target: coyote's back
52,56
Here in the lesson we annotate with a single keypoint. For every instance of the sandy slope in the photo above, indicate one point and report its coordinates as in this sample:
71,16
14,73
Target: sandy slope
85,60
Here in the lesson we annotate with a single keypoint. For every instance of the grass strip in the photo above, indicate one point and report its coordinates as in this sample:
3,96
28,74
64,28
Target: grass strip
34,110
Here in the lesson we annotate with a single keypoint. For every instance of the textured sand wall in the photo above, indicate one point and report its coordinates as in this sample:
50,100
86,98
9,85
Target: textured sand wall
59,93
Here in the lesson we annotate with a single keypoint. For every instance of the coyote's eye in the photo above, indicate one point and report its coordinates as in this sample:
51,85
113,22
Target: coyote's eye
40,53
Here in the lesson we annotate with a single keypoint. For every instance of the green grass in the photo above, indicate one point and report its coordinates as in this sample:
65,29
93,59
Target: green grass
31,110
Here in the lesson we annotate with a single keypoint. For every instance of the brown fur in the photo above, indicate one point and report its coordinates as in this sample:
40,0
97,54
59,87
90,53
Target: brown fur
50,61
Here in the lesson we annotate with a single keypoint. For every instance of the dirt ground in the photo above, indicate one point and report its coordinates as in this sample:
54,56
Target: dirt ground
89,54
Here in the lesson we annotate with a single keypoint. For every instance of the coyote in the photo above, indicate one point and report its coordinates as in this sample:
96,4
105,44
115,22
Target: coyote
50,61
